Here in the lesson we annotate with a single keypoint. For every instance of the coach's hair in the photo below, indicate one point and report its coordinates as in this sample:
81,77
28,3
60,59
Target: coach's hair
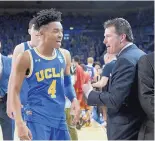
122,26
46,16
32,22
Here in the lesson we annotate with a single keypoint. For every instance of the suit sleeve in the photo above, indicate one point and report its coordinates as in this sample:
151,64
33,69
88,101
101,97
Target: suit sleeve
146,86
120,86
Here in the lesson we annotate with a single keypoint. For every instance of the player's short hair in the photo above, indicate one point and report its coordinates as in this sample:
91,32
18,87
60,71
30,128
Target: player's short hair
90,60
122,26
46,16
76,59
32,22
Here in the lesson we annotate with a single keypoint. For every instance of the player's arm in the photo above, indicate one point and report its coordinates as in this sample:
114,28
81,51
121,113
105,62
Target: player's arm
101,83
18,49
69,89
21,64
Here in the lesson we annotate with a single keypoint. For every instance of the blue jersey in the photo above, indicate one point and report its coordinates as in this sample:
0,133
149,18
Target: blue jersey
25,87
6,62
90,70
46,97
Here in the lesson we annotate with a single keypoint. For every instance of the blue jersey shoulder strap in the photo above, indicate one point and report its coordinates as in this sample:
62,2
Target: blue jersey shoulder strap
27,46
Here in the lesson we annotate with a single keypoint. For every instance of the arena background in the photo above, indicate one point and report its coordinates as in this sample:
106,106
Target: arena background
82,22
83,30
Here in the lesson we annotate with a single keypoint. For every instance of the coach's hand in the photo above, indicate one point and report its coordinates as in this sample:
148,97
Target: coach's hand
23,131
75,108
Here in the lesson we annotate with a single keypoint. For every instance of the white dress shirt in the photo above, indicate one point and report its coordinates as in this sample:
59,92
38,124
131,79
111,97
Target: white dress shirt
129,44
88,87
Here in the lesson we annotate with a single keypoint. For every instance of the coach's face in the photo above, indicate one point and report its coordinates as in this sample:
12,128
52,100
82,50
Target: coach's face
53,34
112,40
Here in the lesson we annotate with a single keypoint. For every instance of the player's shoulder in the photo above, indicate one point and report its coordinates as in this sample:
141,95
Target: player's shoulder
23,58
19,48
64,51
25,54
66,54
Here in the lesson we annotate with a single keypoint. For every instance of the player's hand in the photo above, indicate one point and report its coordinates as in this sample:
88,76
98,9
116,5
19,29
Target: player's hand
87,88
75,108
9,110
23,131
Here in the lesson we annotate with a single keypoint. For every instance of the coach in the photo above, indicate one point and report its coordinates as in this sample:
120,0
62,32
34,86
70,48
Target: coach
124,113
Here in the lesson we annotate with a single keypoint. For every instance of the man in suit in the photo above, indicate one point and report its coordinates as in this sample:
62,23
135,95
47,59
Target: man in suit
124,112
5,121
146,95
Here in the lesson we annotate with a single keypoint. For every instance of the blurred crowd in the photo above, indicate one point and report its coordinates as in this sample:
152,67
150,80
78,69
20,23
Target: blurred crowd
86,37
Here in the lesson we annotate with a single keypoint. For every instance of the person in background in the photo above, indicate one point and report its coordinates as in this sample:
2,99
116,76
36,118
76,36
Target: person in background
5,121
91,70
146,95
86,110
109,60
69,113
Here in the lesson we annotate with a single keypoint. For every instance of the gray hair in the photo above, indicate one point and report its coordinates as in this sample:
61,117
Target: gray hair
122,26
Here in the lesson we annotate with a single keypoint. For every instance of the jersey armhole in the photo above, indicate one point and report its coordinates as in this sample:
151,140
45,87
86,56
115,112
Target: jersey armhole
63,56
31,64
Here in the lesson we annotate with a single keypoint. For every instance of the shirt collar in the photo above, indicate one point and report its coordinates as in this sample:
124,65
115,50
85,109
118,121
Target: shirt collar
129,44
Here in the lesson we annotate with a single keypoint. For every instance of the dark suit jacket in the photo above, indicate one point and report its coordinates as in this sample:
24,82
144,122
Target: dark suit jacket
146,95
123,108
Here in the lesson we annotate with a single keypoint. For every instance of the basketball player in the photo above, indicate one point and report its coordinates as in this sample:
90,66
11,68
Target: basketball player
79,76
20,49
85,108
91,70
69,115
49,80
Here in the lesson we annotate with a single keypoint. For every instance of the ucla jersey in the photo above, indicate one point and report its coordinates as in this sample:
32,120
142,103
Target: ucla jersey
25,87
46,97
27,46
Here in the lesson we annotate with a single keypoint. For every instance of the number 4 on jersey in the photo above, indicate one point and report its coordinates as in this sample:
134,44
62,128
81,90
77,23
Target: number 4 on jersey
52,89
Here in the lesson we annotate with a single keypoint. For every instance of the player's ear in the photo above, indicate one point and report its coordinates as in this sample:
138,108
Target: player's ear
41,31
31,28
29,31
38,33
